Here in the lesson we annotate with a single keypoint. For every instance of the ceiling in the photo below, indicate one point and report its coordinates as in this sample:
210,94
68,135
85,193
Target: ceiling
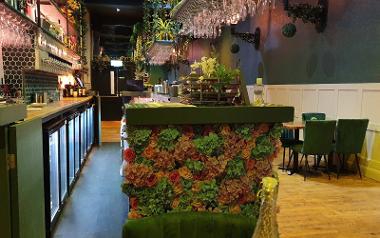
112,28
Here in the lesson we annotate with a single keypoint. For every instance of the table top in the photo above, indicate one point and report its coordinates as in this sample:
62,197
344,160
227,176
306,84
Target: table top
295,125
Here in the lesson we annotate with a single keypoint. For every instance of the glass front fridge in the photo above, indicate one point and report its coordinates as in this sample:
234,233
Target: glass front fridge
56,179
71,148
63,161
54,174
83,136
77,143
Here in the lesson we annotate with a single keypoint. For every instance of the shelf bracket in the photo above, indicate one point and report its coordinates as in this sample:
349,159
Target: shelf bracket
252,38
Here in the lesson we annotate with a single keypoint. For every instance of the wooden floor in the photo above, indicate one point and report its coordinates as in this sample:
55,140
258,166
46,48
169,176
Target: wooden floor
344,208
318,208
110,131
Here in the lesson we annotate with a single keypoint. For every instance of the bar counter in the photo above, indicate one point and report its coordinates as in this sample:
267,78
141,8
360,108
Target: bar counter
51,110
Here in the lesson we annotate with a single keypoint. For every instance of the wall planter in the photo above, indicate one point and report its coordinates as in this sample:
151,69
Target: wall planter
316,15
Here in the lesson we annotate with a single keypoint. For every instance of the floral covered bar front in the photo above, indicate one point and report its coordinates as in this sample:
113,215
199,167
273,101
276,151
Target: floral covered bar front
180,170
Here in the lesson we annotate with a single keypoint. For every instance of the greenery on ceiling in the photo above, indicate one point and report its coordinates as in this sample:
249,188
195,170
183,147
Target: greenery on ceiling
76,12
156,25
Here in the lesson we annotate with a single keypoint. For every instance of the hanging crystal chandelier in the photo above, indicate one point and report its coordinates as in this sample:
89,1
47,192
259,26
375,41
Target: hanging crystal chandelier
205,18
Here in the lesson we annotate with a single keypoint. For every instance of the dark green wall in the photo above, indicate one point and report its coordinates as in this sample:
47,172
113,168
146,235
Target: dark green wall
347,52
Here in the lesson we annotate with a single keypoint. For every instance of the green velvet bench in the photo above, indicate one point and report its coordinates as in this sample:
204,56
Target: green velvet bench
191,225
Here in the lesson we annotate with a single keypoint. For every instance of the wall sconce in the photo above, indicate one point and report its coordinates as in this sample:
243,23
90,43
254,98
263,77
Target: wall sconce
308,13
252,38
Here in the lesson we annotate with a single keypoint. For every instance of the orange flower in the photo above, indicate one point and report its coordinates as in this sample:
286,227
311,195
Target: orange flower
185,173
175,203
225,130
133,214
160,174
196,186
235,209
148,152
178,189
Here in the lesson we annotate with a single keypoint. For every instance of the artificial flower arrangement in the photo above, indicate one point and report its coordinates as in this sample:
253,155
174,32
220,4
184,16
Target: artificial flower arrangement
217,83
214,168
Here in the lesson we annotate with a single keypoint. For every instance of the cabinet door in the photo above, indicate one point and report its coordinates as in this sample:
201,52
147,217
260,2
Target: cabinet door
77,144
83,136
54,173
27,180
5,208
71,150
63,161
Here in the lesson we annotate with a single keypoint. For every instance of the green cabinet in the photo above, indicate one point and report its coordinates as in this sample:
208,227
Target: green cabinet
22,213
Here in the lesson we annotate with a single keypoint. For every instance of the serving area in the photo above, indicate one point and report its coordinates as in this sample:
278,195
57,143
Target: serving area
49,111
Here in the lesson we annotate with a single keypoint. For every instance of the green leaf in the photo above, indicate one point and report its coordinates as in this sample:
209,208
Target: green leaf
264,148
210,145
235,168
168,138
194,166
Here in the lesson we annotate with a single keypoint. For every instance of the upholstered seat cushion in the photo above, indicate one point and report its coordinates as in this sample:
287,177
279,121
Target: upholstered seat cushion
191,225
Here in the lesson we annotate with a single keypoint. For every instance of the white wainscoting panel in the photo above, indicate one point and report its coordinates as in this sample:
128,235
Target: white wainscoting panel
337,101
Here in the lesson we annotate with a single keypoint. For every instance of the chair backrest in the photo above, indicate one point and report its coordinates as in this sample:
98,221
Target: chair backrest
287,134
318,137
307,116
350,135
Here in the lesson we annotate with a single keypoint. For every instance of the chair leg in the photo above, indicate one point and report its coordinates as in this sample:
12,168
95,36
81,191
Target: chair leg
283,160
303,156
338,166
290,160
358,165
305,167
327,166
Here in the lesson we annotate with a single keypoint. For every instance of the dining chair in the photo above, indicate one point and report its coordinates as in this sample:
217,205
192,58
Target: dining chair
349,140
307,116
288,140
318,141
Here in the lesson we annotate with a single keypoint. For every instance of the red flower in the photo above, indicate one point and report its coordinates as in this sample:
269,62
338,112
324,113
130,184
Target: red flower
250,164
129,155
133,202
152,180
174,177
242,199
207,130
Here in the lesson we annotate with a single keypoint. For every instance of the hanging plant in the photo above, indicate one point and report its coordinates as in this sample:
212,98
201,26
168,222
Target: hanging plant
101,63
289,30
164,29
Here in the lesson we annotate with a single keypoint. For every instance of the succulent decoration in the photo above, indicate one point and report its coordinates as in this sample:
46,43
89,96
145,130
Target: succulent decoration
198,168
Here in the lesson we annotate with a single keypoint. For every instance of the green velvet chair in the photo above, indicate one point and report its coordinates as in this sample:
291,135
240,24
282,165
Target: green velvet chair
349,140
307,116
318,141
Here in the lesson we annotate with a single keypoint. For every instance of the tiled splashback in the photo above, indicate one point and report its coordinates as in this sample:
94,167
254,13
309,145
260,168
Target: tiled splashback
38,82
15,60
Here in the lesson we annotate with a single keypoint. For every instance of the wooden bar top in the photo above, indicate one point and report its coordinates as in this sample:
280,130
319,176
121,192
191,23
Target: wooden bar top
52,109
